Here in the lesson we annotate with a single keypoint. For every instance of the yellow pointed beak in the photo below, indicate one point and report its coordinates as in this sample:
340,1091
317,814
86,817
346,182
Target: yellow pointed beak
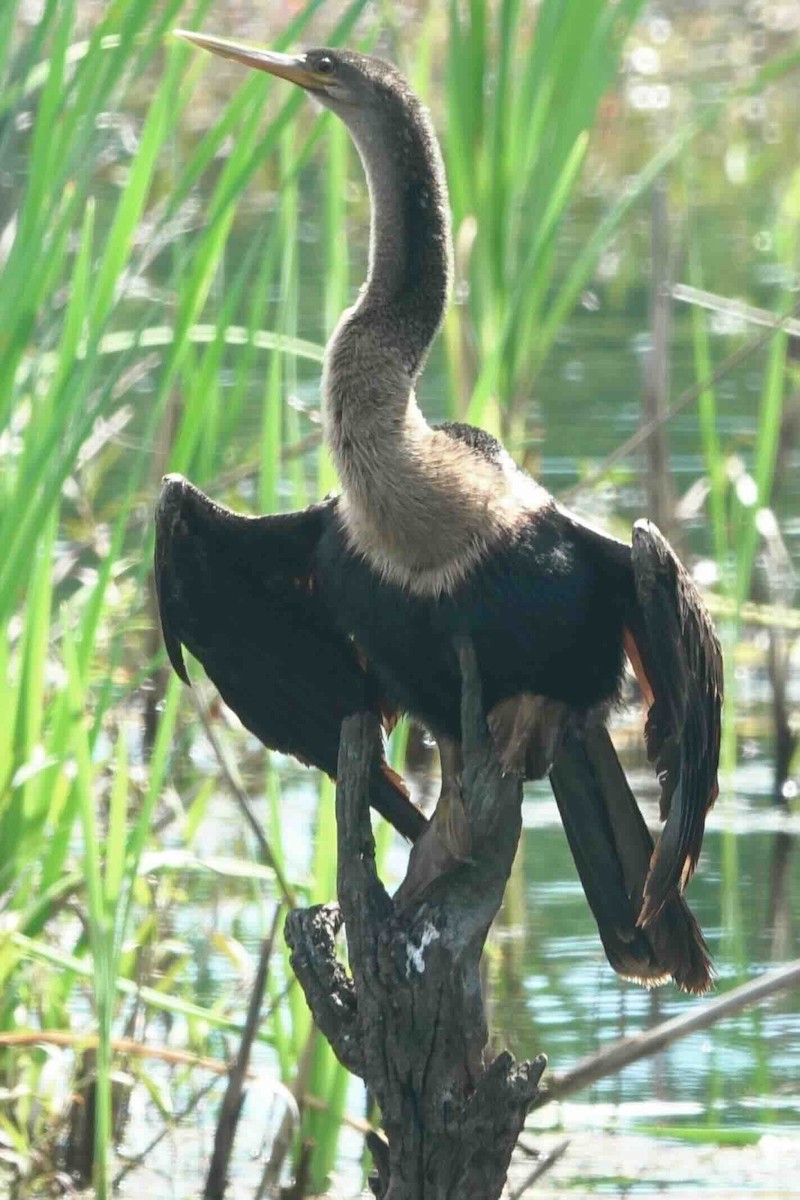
286,66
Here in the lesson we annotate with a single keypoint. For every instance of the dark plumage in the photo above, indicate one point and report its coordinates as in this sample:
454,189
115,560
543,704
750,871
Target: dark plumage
238,593
356,603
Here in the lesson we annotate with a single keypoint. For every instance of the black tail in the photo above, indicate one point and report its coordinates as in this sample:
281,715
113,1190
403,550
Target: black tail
612,848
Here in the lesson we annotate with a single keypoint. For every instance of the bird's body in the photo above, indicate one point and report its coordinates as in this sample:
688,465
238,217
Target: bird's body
437,534
547,577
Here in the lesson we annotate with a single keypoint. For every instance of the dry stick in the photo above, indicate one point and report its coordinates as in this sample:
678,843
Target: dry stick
281,996
282,1142
88,1041
629,1050
232,1101
544,1164
241,797
731,308
136,1161
644,431
174,1058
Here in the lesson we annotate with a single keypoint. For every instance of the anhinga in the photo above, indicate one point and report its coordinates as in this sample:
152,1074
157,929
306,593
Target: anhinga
356,603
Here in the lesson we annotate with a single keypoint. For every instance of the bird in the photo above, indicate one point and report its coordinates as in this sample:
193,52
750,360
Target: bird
357,603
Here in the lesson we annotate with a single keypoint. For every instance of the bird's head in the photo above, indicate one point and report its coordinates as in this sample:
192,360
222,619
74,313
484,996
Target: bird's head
354,86
394,136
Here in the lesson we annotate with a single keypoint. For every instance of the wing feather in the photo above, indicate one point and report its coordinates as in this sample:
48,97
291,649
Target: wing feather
238,593
682,659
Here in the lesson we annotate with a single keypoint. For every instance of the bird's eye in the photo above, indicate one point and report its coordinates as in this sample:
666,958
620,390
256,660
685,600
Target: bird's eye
324,65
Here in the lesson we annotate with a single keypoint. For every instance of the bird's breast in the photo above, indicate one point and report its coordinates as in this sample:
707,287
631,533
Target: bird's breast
424,510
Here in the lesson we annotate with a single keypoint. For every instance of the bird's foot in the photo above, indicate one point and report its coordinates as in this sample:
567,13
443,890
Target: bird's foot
526,730
443,846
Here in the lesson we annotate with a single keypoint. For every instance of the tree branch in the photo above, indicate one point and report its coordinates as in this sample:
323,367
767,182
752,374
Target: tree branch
411,1021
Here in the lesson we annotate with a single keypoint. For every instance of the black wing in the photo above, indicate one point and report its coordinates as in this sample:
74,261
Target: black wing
682,664
238,592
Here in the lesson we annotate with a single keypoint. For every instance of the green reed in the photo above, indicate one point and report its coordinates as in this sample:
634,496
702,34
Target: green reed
522,96
522,100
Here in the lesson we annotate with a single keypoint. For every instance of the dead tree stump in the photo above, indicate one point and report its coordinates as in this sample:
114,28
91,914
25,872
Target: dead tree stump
410,1022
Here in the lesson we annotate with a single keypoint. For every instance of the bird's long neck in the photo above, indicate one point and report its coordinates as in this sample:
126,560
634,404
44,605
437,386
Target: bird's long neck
380,345
409,261
422,507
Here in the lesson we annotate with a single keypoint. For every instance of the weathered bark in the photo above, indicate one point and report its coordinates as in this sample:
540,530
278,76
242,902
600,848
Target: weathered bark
411,1021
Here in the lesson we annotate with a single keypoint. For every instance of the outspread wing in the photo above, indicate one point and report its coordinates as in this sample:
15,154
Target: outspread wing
238,593
681,659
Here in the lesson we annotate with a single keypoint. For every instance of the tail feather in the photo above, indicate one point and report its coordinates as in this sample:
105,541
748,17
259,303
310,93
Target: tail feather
612,848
